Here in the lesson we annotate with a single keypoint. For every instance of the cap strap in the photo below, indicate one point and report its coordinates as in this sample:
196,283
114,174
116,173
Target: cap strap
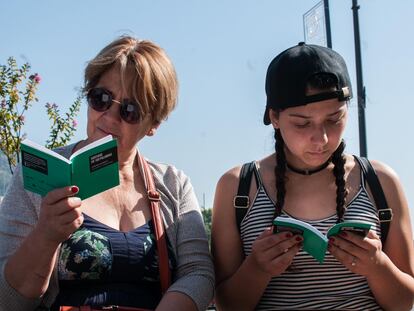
343,94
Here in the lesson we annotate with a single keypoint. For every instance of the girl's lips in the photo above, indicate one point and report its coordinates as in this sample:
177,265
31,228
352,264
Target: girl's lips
317,153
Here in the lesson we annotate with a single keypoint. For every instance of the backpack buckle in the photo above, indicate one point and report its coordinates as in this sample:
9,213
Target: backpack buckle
385,215
241,201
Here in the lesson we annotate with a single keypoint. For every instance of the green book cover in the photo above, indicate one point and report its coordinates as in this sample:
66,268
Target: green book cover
315,243
93,168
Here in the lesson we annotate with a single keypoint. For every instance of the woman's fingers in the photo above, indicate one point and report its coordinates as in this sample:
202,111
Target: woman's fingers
56,195
60,214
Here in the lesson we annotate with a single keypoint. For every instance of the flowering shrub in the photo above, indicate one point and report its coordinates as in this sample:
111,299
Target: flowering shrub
17,94
62,128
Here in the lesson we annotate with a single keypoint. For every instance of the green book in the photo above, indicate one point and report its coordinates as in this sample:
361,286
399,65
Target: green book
93,168
315,243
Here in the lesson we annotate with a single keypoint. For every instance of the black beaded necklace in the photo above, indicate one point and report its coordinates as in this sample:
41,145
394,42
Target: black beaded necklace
308,172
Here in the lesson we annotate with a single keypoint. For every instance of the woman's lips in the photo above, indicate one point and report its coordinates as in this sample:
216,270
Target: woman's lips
107,132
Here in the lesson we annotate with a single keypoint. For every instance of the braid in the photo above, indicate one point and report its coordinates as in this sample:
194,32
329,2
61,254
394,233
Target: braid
338,159
280,172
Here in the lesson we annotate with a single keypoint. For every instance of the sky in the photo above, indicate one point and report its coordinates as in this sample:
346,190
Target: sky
221,50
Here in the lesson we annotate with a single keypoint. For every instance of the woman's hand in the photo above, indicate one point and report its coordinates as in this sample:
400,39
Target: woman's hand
272,253
60,215
361,255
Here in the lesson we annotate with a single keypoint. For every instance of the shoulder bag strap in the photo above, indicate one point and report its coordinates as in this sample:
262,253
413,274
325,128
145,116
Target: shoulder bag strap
384,212
241,200
154,198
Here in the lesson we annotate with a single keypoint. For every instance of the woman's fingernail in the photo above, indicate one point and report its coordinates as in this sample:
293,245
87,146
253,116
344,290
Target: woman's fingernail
289,235
343,233
74,189
75,200
331,240
298,238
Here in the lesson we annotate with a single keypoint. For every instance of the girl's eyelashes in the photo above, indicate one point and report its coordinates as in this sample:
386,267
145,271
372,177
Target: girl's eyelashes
334,121
337,119
302,125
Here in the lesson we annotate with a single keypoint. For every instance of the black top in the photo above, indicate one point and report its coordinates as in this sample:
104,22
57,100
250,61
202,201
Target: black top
102,266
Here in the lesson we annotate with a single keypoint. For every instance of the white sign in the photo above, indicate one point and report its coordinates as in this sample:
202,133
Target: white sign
314,25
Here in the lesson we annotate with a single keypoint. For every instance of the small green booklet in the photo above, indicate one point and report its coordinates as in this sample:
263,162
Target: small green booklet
314,241
93,168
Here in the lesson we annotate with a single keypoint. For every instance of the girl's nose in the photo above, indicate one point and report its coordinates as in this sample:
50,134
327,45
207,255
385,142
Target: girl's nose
319,135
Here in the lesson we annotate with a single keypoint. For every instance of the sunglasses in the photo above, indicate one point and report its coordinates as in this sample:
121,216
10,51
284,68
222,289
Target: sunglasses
101,99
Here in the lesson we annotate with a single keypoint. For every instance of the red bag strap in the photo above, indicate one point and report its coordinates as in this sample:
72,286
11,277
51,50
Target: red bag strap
154,198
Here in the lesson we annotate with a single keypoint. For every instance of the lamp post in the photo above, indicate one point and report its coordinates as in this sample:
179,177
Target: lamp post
327,24
360,85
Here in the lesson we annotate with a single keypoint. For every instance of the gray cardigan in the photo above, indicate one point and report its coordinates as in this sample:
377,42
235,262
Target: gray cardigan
194,275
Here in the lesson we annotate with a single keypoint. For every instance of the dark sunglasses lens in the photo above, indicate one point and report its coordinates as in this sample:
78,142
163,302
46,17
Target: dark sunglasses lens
99,99
129,112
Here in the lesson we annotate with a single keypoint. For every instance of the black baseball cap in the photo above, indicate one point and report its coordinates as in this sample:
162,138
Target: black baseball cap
289,73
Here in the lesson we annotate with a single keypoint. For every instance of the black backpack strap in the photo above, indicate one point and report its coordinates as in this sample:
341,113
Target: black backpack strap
241,200
384,212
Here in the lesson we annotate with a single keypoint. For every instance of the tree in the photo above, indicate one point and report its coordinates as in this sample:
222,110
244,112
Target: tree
206,212
17,94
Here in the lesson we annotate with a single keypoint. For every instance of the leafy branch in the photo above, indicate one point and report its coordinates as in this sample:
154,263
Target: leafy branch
17,94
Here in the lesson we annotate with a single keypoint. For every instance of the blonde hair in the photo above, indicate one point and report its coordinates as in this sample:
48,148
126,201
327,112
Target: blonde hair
154,81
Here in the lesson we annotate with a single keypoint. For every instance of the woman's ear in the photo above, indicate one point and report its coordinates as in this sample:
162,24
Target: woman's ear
274,118
153,129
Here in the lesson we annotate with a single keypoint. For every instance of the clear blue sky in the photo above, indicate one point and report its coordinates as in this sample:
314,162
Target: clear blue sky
221,50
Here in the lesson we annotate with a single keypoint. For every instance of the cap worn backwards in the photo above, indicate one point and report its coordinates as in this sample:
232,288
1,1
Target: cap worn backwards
290,71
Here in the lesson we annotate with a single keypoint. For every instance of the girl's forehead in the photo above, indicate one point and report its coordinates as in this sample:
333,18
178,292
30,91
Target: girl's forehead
326,107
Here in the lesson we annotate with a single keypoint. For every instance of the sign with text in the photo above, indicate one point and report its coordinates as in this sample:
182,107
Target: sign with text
314,25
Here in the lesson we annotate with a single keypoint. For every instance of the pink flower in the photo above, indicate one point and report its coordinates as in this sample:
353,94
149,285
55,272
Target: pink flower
37,78
74,123
21,118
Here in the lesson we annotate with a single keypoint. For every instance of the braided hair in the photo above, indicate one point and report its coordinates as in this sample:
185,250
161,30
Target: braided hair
338,159
280,172
320,81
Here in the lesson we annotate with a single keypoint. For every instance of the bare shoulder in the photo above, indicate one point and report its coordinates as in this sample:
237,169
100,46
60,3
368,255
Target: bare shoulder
399,244
385,173
390,182
226,189
391,186
387,176
230,177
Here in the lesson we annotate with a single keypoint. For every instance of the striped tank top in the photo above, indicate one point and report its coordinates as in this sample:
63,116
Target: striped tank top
306,284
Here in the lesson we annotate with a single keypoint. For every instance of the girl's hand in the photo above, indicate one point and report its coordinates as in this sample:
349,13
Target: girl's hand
60,215
273,253
361,255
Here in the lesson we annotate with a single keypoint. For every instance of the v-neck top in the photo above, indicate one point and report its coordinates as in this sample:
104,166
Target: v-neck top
99,265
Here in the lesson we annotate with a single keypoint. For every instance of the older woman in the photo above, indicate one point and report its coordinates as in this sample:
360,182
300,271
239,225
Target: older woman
60,250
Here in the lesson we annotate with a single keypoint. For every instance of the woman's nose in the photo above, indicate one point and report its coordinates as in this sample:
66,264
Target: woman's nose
113,111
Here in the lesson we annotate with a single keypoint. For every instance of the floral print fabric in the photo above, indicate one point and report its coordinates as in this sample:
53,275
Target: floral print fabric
86,255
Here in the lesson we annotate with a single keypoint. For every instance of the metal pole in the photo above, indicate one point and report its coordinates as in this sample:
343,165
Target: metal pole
360,85
328,24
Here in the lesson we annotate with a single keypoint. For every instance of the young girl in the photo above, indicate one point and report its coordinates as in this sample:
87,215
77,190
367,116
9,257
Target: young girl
309,177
